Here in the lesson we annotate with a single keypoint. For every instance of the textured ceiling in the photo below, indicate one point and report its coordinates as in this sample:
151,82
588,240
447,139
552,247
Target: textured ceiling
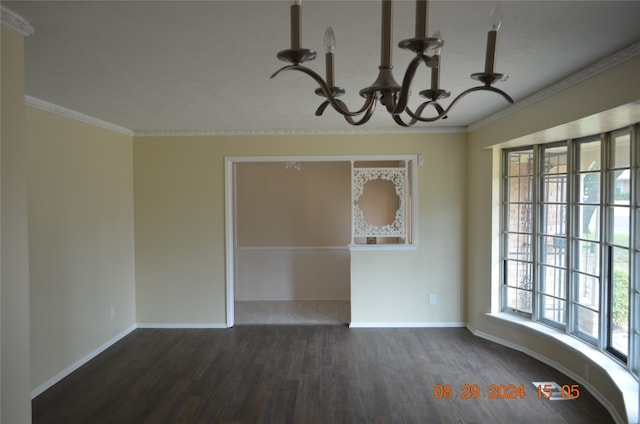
205,65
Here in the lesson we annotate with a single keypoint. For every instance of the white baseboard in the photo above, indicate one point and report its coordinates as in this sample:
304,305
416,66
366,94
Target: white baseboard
405,324
182,325
71,368
546,360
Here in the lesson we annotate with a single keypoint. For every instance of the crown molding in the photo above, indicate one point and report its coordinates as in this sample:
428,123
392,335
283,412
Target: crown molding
280,132
63,111
584,74
69,113
15,22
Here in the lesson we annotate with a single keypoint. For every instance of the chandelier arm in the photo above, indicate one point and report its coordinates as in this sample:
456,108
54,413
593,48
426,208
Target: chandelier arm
339,106
407,81
500,92
367,114
443,113
398,120
322,107
365,118
418,112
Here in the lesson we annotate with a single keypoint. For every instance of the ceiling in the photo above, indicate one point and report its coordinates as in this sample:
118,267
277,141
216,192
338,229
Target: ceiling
204,66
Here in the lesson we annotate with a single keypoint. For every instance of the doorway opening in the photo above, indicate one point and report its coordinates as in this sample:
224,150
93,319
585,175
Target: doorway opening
291,223
291,235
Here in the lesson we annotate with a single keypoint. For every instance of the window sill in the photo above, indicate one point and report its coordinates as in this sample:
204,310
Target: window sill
382,247
622,378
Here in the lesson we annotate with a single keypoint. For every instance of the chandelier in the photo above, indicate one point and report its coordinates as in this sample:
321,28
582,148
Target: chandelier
393,96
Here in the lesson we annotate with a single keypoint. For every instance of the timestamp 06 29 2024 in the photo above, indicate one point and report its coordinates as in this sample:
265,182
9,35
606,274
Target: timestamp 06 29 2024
502,391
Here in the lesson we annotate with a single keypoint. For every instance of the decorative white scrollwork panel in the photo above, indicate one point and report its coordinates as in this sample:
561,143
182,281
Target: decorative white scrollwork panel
371,224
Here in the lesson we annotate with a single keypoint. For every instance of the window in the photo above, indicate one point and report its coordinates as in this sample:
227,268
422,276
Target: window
552,265
571,239
618,242
518,240
585,239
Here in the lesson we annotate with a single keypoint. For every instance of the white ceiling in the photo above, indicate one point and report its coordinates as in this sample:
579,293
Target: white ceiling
205,65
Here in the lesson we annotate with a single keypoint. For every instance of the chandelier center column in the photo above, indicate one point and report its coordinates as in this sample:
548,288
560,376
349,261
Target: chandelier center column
387,30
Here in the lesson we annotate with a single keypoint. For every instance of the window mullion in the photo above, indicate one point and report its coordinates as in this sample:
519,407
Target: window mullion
538,204
633,358
604,244
572,179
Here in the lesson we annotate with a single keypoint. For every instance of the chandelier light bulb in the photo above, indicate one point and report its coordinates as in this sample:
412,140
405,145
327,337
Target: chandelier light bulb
495,17
330,40
330,44
438,49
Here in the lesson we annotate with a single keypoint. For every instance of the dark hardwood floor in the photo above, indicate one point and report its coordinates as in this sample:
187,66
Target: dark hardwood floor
307,374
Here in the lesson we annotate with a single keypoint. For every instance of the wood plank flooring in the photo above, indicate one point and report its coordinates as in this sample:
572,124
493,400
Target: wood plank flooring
306,374
305,312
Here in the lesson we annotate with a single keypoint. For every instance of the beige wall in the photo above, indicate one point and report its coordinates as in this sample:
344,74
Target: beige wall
280,207
286,274
15,400
180,233
292,229
613,88
393,287
80,240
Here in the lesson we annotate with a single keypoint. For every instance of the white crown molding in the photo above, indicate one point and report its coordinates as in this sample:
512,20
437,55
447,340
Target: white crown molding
15,22
590,71
63,111
279,132
69,113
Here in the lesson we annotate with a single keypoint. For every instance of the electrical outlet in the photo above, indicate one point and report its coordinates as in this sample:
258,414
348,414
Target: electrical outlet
113,312
432,299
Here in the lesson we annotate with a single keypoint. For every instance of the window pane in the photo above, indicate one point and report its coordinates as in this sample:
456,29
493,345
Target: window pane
589,156
589,222
555,189
520,162
552,281
619,226
587,322
555,160
620,190
588,290
554,219
519,300
518,274
520,189
519,247
588,257
620,150
589,188
552,309
620,301
519,219
553,251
